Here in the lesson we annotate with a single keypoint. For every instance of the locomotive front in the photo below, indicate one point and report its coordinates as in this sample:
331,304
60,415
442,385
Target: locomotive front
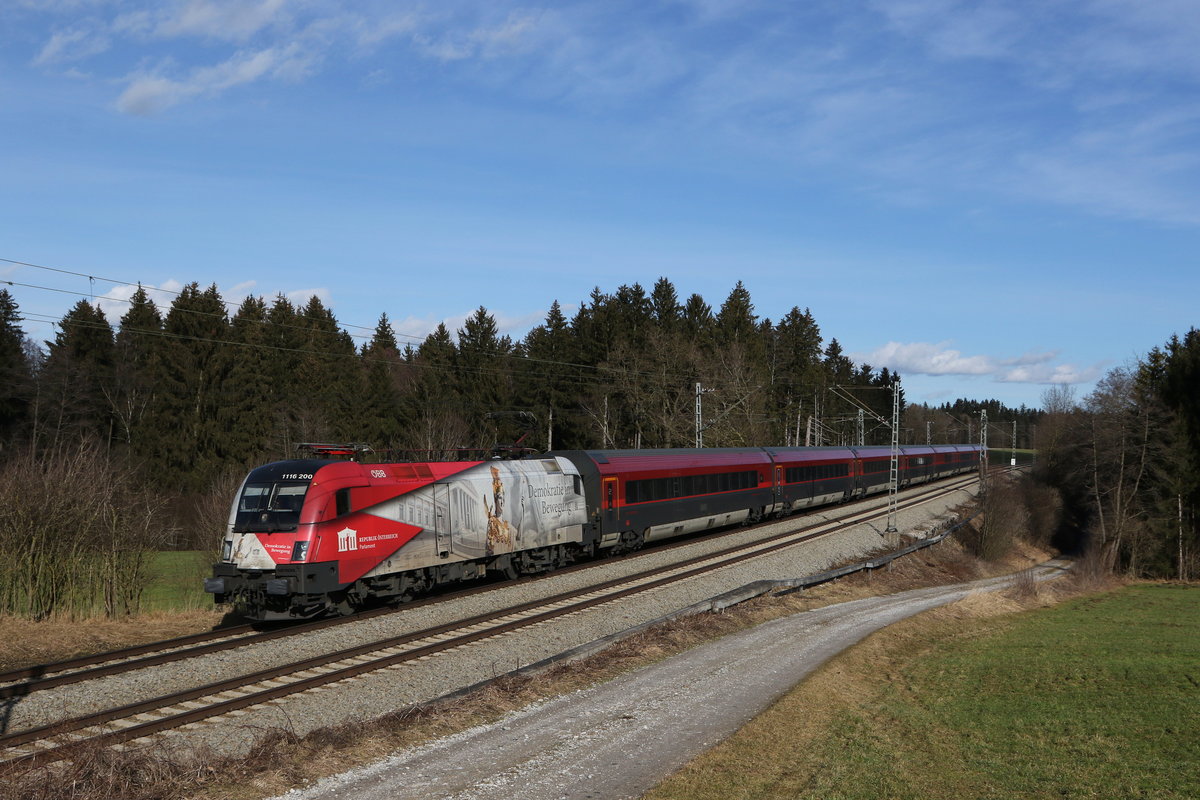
270,537
310,537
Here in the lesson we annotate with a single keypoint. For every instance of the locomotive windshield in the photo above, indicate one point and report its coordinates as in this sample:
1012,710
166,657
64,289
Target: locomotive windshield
270,507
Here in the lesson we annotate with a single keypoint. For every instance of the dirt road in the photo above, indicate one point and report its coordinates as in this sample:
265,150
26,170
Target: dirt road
619,739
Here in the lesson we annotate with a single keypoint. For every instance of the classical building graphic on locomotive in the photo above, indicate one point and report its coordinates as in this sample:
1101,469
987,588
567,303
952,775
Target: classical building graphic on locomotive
315,536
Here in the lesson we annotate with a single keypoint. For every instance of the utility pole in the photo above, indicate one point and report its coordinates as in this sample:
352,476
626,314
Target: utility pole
700,390
928,433
983,448
1013,462
894,468
861,429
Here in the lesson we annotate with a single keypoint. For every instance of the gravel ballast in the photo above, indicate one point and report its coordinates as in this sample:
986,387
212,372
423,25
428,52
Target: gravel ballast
396,688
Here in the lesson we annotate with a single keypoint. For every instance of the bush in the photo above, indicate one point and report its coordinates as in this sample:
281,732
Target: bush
75,533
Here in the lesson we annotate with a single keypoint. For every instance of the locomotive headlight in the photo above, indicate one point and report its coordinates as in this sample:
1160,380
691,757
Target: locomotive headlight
299,551
227,550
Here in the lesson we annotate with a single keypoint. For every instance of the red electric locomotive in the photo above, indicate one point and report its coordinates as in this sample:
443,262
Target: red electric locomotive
315,536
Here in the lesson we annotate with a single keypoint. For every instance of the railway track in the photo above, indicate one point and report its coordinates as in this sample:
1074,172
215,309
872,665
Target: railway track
174,710
27,680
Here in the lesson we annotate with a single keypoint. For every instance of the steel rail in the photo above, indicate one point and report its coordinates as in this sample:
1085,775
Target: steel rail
553,608
25,681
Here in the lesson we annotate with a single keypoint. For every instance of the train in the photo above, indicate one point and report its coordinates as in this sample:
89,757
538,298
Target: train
311,537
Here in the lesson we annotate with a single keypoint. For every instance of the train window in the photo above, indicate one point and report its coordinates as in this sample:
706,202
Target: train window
254,497
342,502
270,506
651,489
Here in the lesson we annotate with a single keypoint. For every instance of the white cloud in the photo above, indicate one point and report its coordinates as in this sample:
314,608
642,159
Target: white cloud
115,302
940,359
1051,374
924,358
300,297
512,35
72,45
230,20
148,94
1040,108
371,32
415,329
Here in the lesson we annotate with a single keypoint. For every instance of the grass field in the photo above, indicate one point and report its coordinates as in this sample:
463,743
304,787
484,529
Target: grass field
998,455
1098,697
177,581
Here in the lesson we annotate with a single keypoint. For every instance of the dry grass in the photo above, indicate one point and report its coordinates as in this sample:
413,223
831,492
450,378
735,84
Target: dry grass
30,642
283,760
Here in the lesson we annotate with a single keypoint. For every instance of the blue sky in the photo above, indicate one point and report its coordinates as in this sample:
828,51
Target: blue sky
989,198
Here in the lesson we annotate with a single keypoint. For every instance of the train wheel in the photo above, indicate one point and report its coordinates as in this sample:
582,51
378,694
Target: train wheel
505,567
630,541
343,603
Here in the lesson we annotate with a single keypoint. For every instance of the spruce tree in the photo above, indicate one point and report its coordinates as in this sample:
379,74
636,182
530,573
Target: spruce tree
483,375
736,322
15,374
329,378
550,381
664,305
185,440
436,424
698,321
139,344
248,416
387,375
77,379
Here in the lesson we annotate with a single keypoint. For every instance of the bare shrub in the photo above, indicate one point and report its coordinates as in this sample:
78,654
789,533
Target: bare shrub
1024,585
75,534
210,512
1005,520
1095,567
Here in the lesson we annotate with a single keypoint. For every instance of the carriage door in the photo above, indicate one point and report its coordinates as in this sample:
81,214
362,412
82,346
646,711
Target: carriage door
610,502
778,485
441,518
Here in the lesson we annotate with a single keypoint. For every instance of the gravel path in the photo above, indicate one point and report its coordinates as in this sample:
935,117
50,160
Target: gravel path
619,739
377,693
